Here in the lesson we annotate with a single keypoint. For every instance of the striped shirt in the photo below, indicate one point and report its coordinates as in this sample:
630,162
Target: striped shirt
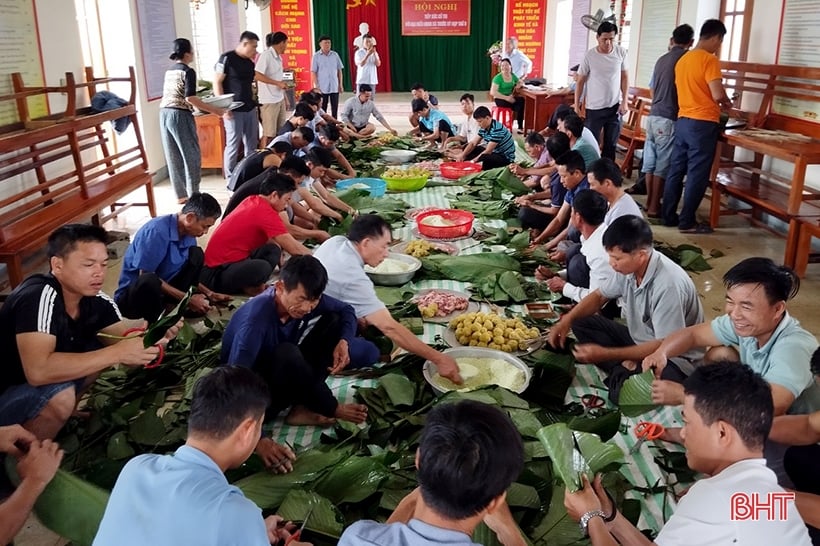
36,306
504,143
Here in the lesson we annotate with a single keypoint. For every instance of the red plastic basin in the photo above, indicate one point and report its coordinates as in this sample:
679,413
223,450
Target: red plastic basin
456,169
462,224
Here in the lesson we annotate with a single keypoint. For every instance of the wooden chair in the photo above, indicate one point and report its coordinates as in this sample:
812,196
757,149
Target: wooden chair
633,134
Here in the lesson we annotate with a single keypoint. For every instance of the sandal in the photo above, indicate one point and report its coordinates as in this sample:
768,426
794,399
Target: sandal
701,229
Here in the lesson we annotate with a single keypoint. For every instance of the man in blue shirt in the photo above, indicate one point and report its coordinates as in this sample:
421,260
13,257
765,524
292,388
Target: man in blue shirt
500,149
434,125
184,498
573,172
292,335
469,454
163,262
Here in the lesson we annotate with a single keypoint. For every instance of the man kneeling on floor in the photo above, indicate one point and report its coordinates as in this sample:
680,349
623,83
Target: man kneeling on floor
185,498
292,335
727,414
163,262
469,454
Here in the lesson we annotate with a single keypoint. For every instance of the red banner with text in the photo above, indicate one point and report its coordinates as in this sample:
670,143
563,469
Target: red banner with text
293,18
431,18
374,14
526,20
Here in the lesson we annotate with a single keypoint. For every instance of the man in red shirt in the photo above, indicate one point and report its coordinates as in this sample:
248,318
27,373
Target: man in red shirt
247,246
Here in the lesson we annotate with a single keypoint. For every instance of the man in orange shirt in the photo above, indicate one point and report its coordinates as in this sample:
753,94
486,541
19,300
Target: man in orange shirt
700,97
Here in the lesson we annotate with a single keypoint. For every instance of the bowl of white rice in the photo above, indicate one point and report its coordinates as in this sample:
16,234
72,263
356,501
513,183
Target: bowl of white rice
395,270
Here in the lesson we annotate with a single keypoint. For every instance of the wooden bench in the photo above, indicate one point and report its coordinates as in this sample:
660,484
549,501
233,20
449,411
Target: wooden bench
62,168
773,135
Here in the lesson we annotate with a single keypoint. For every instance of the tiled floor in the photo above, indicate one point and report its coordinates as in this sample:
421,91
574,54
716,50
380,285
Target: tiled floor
735,238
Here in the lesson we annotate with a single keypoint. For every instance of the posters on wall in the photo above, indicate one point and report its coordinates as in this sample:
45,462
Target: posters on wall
798,48
293,18
435,18
526,21
20,51
157,31
658,20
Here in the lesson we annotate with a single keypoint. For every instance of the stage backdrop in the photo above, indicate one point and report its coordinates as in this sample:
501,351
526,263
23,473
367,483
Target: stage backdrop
446,63
442,63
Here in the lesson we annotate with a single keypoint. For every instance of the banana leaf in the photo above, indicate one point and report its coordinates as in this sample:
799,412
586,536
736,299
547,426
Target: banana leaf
574,453
636,394
268,490
469,268
355,479
391,295
324,516
69,506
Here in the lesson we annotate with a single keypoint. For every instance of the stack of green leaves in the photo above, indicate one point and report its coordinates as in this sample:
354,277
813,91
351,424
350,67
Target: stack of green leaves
497,182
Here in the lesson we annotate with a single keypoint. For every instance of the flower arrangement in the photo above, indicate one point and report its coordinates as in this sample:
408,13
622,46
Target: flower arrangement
495,52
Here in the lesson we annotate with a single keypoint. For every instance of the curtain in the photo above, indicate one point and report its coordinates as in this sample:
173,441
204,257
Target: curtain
446,63
329,19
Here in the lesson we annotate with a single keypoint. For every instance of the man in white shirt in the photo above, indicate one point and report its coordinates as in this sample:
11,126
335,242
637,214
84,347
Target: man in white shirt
727,414
521,64
603,83
271,85
467,131
605,177
344,258
590,269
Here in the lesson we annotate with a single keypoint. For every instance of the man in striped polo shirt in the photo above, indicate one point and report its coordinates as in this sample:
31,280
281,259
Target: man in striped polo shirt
500,149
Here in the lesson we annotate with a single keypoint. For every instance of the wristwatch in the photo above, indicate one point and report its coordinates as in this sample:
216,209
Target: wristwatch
584,522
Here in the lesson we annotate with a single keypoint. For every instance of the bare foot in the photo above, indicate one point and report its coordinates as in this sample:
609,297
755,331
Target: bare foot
667,393
300,415
355,413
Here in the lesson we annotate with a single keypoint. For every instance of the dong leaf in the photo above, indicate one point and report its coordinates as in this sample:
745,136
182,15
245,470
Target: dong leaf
520,241
324,516
605,425
574,453
355,479
400,390
468,268
636,394
557,528
268,490
156,331
510,283
147,429
524,496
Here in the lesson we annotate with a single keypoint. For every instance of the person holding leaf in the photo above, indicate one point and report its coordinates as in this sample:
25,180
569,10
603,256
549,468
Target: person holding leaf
163,262
58,331
658,297
727,413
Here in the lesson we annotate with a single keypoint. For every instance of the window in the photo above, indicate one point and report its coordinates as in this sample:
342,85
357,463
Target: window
205,39
737,16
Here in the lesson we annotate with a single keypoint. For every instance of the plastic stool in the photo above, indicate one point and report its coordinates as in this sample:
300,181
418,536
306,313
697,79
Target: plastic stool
504,115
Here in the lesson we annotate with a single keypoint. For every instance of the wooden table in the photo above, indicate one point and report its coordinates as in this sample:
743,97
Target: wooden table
539,106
